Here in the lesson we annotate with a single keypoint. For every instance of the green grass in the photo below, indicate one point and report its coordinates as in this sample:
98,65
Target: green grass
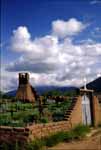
37,144
19,114
80,131
20,118
17,106
58,110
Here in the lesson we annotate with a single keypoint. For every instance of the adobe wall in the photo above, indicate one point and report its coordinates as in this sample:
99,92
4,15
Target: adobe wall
12,134
41,130
100,115
96,111
76,116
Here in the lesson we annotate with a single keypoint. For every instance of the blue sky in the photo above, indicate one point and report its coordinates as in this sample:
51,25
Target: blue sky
40,13
37,17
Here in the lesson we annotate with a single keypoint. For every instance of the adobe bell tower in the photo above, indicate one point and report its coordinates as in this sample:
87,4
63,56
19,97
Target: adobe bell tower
25,91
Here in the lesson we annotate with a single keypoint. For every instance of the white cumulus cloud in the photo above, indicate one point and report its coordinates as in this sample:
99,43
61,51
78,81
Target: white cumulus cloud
70,27
52,61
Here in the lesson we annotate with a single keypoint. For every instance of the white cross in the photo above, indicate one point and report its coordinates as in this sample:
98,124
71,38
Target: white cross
85,81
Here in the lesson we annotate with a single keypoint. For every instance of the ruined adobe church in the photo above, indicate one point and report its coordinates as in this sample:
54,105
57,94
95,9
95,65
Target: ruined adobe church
25,91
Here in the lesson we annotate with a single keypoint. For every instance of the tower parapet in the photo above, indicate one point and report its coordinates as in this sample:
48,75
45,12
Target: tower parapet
23,78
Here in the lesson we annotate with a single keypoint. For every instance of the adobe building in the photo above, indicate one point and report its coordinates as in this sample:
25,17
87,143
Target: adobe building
96,86
25,91
90,107
85,109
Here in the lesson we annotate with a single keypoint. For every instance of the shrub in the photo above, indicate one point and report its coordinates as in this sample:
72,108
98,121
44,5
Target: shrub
58,137
68,136
44,120
81,130
35,145
29,118
52,140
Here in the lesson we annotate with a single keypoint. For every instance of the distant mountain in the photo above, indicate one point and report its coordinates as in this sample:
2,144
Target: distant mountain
11,93
43,89
95,85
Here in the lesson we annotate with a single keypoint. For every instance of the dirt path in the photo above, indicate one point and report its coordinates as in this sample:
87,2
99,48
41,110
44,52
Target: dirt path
91,143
